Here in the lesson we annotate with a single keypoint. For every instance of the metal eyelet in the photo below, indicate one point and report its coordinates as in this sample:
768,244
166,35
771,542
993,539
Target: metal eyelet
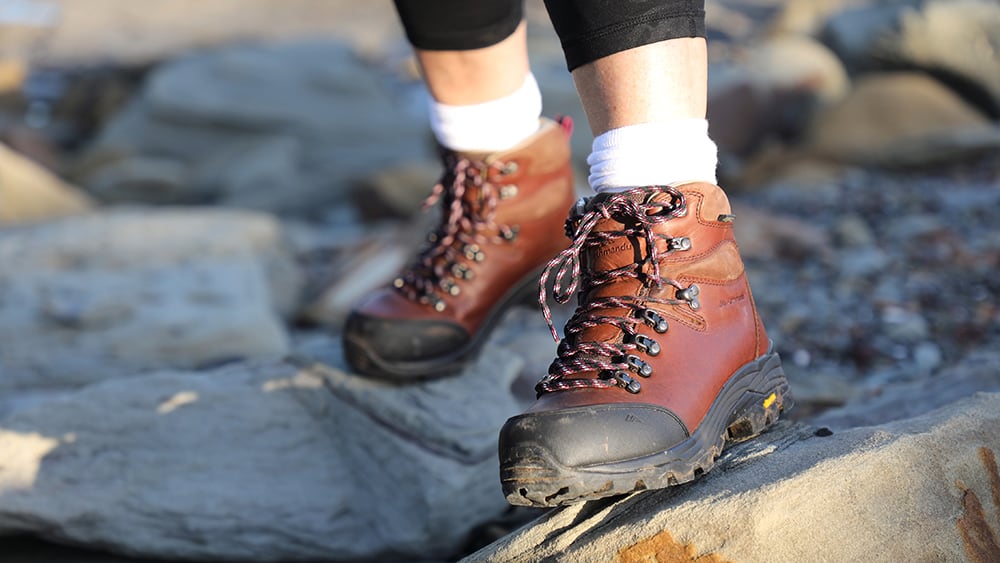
509,168
510,233
473,252
690,294
626,381
508,191
432,237
461,271
450,287
653,319
398,283
434,301
637,365
680,244
647,345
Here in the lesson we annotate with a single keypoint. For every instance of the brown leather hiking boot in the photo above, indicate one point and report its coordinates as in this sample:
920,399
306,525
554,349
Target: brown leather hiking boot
664,361
502,220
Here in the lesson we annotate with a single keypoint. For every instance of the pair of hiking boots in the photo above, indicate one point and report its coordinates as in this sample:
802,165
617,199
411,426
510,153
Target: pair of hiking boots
664,361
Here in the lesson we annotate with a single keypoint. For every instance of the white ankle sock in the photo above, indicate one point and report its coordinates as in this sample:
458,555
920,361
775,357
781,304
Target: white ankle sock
653,154
490,126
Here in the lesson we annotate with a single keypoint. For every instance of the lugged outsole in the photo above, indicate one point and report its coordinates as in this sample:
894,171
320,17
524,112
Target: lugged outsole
750,402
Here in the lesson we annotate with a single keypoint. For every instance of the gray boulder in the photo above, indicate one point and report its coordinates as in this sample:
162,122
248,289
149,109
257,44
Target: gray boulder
262,461
284,127
921,489
956,40
117,292
899,119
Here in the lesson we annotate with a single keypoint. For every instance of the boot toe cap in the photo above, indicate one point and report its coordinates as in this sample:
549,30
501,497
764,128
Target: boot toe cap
375,343
592,435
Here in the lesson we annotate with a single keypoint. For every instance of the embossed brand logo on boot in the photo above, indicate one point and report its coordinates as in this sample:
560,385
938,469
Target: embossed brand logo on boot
611,250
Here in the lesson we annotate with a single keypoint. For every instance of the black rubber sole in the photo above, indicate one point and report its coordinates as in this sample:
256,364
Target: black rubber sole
367,360
750,402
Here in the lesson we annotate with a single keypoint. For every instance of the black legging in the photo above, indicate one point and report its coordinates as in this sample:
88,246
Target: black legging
588,29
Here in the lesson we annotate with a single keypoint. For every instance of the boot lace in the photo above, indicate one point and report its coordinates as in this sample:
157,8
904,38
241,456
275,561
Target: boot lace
467,226
638,210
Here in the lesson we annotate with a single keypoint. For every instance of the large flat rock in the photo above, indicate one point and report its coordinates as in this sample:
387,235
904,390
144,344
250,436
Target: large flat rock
921,489
115,293
262,461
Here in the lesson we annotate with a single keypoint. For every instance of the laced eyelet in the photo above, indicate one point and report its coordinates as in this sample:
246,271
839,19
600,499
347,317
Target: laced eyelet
508,191
690,294
434,301
647,344
637,365
473,252
653,319
450,287
627,382
461,271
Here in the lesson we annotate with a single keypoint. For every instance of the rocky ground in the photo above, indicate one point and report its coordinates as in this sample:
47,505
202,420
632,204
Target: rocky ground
185,220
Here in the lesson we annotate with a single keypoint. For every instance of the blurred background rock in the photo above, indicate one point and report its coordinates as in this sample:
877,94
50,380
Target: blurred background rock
191,191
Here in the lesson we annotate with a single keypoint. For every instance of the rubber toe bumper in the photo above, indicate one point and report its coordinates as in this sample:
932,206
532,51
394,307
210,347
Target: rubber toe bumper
396,348
601,434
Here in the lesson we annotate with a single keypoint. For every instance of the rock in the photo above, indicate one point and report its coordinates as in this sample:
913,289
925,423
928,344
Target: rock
114,293
886,111
353,271
286,128
887,493
258,174
771,92
882,404
32,144
300,461
808,18
852,231
953,39
145,178
73,35
764,235
29,193
396,192
12,74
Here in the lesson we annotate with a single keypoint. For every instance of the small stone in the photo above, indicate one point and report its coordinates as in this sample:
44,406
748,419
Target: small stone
928,356
853,231
904,325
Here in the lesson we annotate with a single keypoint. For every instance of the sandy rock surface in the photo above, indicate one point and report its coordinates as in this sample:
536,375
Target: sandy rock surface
921,489
29,193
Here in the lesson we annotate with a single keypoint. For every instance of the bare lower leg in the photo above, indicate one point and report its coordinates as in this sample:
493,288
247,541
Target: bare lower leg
657,82
478,75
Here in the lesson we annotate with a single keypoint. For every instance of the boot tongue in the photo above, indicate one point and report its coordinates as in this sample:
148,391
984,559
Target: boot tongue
619,251
612,254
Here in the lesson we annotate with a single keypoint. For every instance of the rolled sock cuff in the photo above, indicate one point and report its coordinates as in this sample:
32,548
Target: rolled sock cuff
490,126
667,153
